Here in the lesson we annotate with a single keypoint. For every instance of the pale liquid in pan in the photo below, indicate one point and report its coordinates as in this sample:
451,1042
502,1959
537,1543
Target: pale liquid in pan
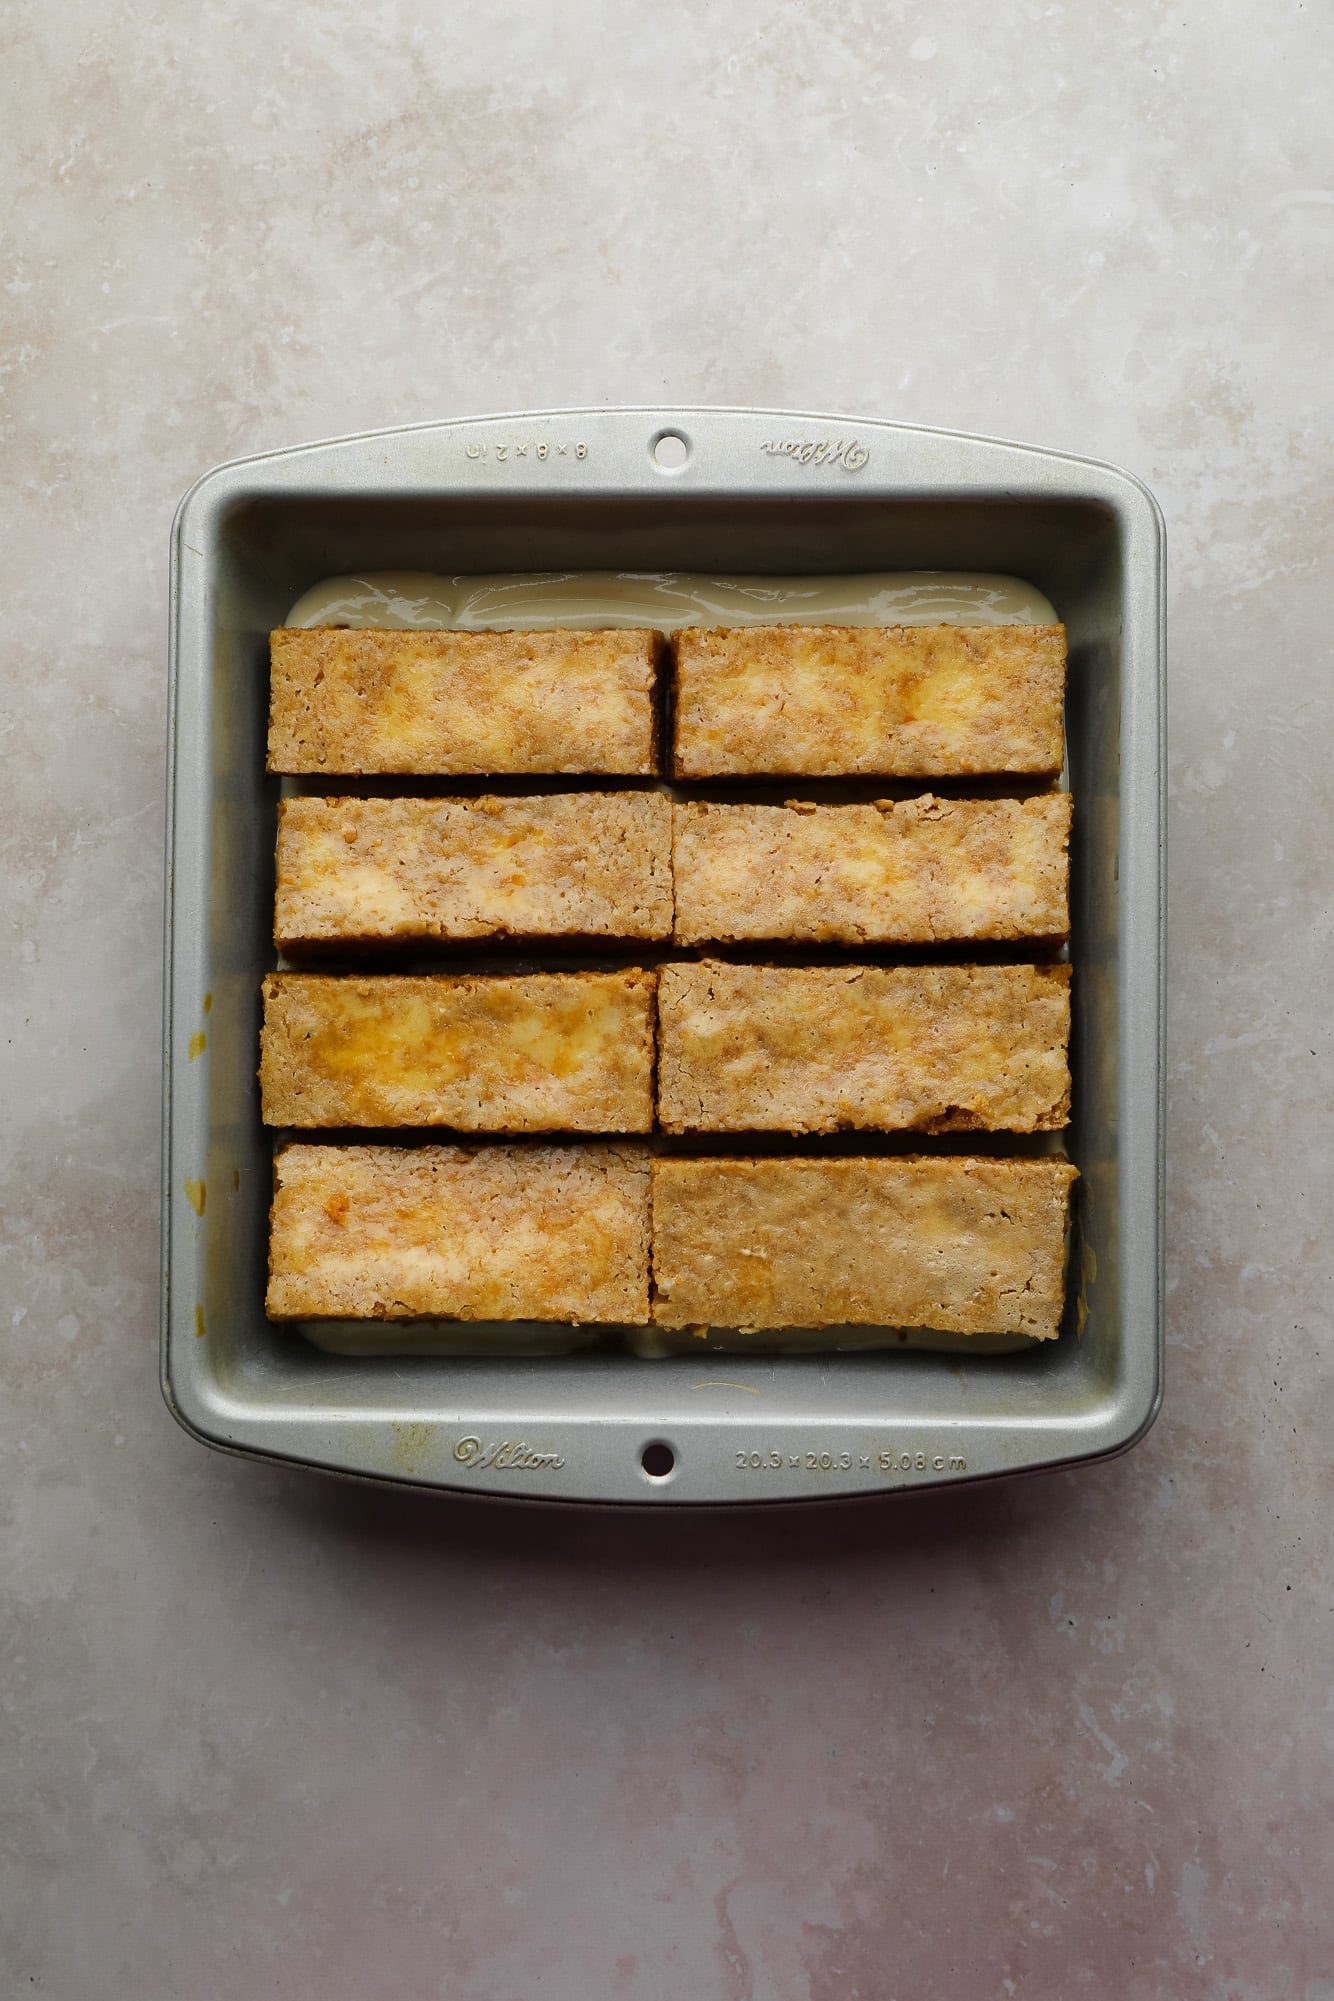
597,600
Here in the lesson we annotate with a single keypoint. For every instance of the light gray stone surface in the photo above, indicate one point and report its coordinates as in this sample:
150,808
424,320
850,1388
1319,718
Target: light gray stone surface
265,1735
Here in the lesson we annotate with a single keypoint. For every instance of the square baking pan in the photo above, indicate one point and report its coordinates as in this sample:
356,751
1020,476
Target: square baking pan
742,490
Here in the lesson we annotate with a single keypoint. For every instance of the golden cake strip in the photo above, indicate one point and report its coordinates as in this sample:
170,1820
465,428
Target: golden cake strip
919,871
962,1245
536,1052
519,1232
353,701
564,864
910,701
812,1049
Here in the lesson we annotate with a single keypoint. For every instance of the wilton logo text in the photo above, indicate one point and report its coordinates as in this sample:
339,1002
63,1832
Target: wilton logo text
505,1455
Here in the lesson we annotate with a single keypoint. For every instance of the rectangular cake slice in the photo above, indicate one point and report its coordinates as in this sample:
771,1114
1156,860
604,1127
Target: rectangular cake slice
816,1048
563,864
963,1245
460,1233
911,701
536,1052
920,871
461,702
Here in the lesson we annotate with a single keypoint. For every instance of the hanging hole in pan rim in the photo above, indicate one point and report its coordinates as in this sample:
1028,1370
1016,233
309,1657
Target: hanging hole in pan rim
658,1460
670,450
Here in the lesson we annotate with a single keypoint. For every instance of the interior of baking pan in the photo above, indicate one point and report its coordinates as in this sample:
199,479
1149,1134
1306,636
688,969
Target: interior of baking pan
269,548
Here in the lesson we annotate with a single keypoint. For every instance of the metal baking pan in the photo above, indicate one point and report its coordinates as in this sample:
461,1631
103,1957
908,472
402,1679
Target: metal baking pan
757,491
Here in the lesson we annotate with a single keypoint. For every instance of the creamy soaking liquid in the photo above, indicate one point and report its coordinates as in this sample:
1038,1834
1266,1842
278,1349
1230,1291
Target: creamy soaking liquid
598,600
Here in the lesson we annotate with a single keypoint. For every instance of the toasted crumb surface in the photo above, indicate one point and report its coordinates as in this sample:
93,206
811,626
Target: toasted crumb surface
463,1233
907,701
811,1049
916,871
461,702
564,864
964,1245
533,1052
